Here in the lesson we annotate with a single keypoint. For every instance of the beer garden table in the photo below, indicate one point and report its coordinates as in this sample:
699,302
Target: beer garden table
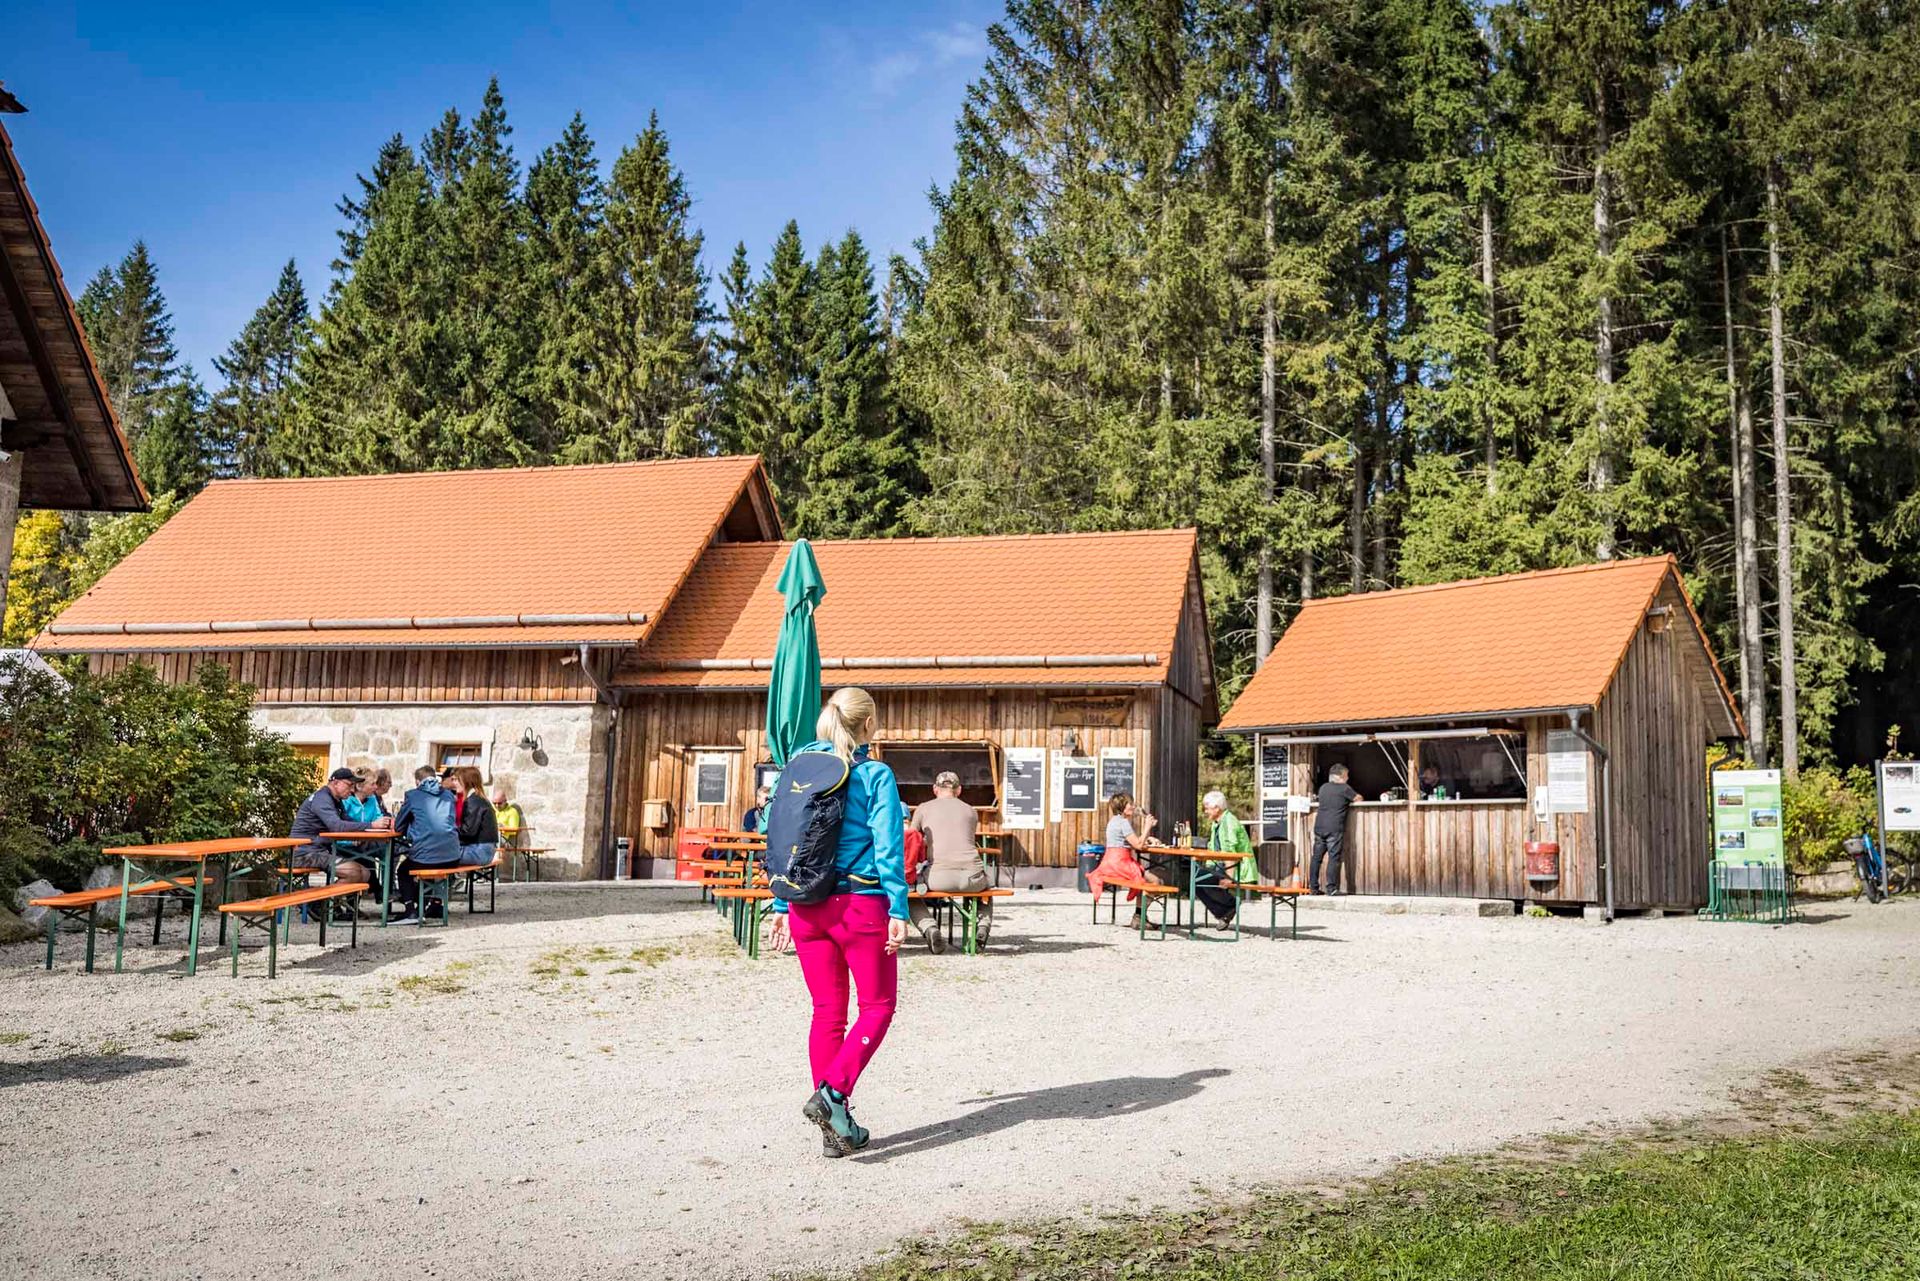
384,838
1195,857
159,862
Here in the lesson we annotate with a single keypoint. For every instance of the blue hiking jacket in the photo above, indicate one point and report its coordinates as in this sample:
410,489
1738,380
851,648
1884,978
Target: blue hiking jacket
426,819
872,856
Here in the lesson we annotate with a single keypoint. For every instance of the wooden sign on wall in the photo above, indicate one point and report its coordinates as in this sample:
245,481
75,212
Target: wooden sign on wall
1099,713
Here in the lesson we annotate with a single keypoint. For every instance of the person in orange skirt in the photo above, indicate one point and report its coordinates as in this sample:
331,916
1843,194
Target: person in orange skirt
1121,862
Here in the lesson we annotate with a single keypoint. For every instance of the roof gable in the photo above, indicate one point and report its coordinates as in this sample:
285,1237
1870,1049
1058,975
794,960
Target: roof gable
1019,600
76,457
1522,642
529,556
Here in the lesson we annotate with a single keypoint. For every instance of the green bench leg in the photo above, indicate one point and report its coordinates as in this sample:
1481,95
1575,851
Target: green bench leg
273,949
233,946
89,940
53,928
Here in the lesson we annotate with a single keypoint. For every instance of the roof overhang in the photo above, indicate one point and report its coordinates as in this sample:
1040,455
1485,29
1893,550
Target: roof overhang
60,417
1371,728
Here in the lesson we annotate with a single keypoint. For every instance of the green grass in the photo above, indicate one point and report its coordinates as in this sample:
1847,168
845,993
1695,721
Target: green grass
14,1038
181,1034
1843,1204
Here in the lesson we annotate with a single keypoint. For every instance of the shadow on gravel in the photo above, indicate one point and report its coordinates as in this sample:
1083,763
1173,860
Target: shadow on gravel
1085,1101
93,1069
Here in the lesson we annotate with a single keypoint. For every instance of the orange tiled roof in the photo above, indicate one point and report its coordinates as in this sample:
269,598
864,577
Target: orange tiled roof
1039,595
544,542
1485,646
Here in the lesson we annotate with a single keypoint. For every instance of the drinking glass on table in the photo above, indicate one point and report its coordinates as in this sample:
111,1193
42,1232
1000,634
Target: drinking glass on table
1183,833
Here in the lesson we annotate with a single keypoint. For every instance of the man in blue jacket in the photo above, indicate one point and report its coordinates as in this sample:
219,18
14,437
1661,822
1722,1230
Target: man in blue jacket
433,840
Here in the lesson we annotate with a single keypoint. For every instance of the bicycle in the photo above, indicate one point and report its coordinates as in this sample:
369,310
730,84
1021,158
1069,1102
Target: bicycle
1869,868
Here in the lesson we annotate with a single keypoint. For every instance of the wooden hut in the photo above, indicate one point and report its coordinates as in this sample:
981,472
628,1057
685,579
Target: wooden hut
604,656
1488,687
1047,671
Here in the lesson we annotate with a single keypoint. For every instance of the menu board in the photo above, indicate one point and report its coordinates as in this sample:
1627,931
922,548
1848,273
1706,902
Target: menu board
1899,796
1074,778
710,778
1276,769
1746,816
1273,818
1023,792
1116,772
1568,766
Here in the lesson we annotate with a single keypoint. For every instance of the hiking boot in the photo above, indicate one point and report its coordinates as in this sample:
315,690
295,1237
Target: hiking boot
832,1114
936,941
830,1147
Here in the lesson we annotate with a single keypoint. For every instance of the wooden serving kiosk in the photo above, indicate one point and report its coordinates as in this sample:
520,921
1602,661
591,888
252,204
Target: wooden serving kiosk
1572,707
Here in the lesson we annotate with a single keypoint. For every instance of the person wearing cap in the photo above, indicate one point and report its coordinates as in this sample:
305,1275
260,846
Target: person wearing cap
324,812
952,829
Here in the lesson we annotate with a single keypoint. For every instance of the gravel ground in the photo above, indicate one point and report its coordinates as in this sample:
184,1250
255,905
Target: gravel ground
594,1084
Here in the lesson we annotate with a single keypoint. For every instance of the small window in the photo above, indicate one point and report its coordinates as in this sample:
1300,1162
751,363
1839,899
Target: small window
449,755
916,765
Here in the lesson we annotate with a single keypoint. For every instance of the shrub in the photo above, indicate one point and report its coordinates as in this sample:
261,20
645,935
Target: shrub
1824,807
93,761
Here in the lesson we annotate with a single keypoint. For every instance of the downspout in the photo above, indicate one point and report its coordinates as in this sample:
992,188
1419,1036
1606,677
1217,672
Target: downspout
603,693
1606,805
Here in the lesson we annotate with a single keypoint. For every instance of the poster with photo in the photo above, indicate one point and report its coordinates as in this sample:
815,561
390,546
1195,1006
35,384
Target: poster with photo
1900,796
1746,816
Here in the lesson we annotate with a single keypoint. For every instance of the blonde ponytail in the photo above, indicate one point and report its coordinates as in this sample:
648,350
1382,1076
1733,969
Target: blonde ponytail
846,721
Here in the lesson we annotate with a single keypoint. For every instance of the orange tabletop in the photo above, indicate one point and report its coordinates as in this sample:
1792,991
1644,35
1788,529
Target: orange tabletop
1181,851
371,834
197,851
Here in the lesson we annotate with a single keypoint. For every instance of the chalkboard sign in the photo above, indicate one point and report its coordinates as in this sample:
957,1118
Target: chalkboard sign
1023,795
1116,772
1276,774
1077,776
1273,818
710,780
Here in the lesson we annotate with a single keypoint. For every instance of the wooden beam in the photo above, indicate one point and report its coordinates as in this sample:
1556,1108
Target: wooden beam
49,379
12,467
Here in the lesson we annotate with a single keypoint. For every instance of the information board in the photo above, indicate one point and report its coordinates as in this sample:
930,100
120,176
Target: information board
1074,778
1568,767
1023,792
1116,772
1899,796
1276,769
1273,818
1746,816
710,778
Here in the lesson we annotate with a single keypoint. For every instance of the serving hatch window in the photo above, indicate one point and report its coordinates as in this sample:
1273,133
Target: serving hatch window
916,764
1491,767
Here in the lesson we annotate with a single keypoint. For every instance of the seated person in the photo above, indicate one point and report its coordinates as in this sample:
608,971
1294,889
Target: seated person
508,817
755,819
1430,782
1228,835
479,827
1121,862
952,829
324,812
433,839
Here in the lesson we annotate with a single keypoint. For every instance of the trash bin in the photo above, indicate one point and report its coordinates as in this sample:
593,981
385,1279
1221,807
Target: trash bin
623,858
1091,852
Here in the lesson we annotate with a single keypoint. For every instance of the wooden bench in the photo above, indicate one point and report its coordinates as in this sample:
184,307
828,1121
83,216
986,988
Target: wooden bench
1274,894
82,902
964,904
745,902
475,874
524,858
265,911
1151,893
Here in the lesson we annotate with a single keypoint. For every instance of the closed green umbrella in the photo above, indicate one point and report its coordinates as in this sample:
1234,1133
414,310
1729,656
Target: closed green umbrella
793,692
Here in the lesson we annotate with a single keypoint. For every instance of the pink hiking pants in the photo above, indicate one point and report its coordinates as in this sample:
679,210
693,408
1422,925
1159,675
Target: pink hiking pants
845,936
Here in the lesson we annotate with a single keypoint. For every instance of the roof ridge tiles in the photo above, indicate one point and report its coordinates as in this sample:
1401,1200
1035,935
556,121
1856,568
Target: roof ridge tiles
471,472
1526,575
923,539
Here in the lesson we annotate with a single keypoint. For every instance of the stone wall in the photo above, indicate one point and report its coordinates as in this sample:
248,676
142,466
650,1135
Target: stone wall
558,785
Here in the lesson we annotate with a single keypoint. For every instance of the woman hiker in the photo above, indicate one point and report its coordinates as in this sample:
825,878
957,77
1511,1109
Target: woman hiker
1121,861
857,932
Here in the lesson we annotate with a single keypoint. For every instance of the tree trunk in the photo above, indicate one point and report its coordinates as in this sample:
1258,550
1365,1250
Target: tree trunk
1306,576
1493,342
1600,471
1269,338
1746,576
1357,520
1782,487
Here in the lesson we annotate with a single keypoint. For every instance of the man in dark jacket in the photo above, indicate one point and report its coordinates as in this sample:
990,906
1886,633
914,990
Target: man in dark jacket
321,812
433,839
1330,830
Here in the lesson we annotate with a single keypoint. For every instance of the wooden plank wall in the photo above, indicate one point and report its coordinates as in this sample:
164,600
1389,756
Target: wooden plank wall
657,731
1653,723
355,675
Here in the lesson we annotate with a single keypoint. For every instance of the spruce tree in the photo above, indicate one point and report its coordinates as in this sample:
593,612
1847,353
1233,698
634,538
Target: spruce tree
131,334
770,393
565,212
252,411
651,357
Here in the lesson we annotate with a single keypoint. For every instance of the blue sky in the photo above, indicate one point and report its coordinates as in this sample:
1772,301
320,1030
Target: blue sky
223,133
